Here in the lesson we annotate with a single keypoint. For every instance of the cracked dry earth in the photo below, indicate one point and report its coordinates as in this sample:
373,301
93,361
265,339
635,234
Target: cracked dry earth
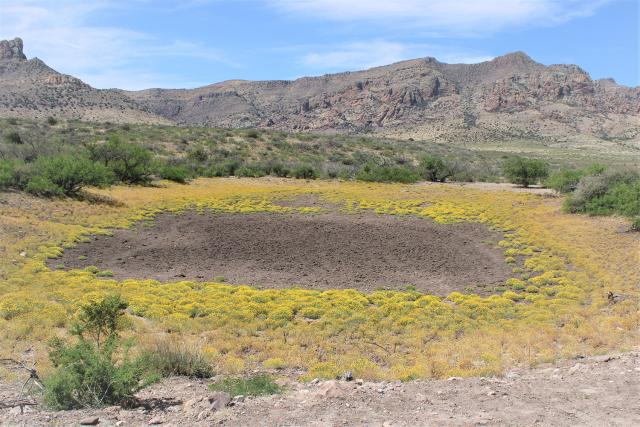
595,391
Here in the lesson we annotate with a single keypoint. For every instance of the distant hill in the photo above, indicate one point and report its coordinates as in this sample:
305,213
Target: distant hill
509,97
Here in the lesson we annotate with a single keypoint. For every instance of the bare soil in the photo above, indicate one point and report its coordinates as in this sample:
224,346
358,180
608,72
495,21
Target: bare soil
596,391
325,251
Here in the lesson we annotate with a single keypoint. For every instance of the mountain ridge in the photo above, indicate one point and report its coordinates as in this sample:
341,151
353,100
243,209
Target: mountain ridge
510,96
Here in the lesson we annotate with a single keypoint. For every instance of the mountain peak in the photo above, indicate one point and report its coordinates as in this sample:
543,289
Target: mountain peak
12,49
514,57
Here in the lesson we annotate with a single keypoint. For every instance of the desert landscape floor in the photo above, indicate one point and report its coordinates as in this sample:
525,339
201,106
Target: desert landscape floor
595,391
364,251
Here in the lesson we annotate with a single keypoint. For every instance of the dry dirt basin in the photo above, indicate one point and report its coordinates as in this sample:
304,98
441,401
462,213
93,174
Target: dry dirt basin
332,250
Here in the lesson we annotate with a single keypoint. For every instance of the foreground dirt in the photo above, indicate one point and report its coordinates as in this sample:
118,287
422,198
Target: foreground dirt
327,251
597,391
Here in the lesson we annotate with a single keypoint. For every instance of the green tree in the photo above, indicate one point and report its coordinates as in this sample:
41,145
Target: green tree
524,171
66,174
437,169
131,163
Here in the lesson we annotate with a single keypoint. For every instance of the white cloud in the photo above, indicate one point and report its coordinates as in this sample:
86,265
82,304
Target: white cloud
372,53
62,34
444,16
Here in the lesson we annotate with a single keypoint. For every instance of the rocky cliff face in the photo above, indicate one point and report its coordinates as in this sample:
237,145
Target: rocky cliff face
11,49
509,97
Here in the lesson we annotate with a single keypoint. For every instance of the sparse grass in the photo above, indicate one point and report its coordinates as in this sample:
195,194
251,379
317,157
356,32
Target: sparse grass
176,358
259,385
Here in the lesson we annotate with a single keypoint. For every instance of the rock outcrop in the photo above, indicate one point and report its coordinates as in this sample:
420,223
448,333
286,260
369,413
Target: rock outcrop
11,49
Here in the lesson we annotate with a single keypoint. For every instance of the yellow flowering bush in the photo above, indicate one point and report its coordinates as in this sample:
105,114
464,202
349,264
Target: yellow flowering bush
554,306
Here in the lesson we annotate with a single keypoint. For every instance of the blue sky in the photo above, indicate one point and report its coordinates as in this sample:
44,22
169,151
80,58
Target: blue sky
137,44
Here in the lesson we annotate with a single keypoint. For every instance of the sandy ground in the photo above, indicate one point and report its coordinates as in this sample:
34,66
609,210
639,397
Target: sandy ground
596,391
326,251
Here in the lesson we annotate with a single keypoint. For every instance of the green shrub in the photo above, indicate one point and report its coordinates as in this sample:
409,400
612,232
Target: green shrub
66,174
607,193
250,171
44,187
623,198
176,173
374,173
91,372
14,137
437,169
52,121
524,171
564,181
635,224
131,163
259,385
305,172
225,168
175,359
6,174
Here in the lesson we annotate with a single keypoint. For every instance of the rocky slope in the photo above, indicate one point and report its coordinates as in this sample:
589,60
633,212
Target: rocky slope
510,97
29,88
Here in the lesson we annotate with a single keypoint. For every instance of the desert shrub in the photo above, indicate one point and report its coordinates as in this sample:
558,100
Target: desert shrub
635,224
276,168
170,358
259,385
13,137
623,198
564,181
225,168
6,174
41,186
131,163
176,173
250,171
66,174
606,193
524,171
52,121
304,172
374,173
198,155
437,169
90,372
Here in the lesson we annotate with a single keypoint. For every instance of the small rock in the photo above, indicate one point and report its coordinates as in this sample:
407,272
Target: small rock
380,390
604,359
192,402
120,423
219,400
23,254
492,393
89,421
238,399
512,375
359,381
577,368
315,381
155,421
347,376
454,378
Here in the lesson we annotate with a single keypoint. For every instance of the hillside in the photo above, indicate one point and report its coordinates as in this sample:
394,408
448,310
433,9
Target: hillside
511,97
30,88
